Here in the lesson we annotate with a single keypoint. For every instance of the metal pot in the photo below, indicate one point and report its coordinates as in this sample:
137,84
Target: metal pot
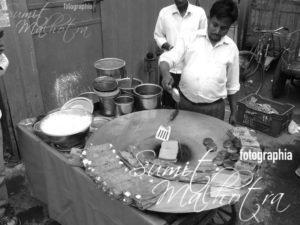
124,85
107,102
124,104
105,84
112,67
148,96
64,141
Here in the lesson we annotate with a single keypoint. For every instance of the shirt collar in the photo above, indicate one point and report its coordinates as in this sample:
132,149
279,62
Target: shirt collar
203,33
188,10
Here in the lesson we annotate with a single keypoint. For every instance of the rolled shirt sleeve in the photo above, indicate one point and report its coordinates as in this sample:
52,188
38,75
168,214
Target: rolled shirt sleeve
233,74
159,35
175,55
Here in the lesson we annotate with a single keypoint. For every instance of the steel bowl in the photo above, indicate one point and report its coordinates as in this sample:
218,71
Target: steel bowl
148,96
107,104
105,84
125,85
69,140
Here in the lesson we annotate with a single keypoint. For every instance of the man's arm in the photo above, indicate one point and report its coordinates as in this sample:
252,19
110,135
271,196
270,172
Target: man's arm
167,79
159,35
233,85
169,59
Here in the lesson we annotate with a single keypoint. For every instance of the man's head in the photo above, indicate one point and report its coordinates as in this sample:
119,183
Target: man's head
222,14
181,3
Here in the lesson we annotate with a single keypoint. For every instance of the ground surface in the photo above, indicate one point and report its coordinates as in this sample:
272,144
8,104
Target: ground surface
277,178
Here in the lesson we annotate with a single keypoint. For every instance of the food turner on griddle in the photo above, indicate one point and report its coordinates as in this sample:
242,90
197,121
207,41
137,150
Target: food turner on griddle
163,133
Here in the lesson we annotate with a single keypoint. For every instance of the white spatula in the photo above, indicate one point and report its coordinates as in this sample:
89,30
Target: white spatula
163,133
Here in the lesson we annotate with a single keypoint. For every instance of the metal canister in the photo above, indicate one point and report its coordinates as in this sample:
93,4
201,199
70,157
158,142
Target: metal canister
148,96
107,101
124,104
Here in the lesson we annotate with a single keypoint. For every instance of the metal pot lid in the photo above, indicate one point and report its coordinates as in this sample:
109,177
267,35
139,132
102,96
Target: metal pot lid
79,103
90,95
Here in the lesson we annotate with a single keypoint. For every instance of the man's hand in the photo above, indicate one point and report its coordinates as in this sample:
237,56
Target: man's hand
167,83
167,80
166,46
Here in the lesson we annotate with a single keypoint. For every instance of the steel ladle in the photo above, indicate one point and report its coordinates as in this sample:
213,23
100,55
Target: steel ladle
176,96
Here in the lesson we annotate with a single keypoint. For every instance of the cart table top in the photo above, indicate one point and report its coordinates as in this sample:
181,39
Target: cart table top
189,128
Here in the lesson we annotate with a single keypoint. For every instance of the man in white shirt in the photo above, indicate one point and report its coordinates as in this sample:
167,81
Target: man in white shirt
174,21
211,65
